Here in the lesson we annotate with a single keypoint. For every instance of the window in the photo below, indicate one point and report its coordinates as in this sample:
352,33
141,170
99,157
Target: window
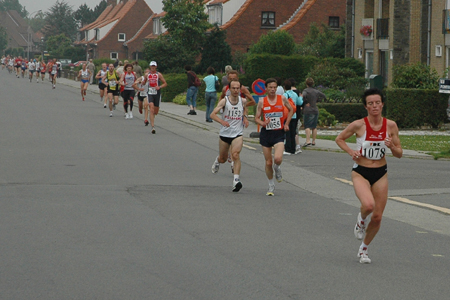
333,22
215,14
97,34
121,37
438,51
156,28
114,55
268,19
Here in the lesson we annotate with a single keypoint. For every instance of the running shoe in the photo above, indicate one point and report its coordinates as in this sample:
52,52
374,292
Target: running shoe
37,81
270,191
286,153
363,256
110,113
278,175
130,115
54,87
146,123
360,228
215,167
104,105
298,149
153,130
237,186
232,167
127,116
83,98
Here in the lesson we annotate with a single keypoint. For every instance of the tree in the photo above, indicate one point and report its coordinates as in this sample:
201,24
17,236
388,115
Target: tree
37,22
415,76
57,44
323,42
60,20
99,8
215,52
84,15
186,22
3,39
171,55
275,42
13,5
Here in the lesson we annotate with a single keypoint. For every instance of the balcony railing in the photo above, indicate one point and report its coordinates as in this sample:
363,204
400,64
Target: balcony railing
446,21
382,28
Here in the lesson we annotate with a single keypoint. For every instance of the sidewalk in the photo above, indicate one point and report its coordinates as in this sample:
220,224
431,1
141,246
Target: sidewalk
179,112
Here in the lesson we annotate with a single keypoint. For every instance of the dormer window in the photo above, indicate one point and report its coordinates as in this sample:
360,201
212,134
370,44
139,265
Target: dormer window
268,19
156,26
215,14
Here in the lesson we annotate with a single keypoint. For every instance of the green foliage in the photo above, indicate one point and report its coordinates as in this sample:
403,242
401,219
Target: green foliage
13,5
37,22
347,112
143,64
278,42
60,20
296,66
239,59
325,118
170,55
3,39
15,51
180,99
215,51
415,76
176,84
99,61
85,15
412,108
186,22
57,45
323,42
328,75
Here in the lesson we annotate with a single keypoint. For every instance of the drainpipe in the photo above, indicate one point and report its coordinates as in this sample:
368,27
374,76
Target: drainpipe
429,34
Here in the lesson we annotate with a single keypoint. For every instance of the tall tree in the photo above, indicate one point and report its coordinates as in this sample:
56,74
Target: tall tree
186,22
323,42
37,22
60,20
99,8
84,15
215,51
3,39
13,5
275,42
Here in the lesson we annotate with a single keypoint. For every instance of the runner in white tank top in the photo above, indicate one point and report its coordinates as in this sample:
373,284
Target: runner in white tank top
233,121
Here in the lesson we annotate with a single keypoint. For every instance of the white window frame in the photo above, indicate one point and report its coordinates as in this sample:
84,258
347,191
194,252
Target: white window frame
438,51
113,55
121,39
156,26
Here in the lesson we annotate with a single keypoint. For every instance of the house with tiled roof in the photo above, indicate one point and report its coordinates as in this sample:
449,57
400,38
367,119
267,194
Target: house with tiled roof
246,20
119,30
20,35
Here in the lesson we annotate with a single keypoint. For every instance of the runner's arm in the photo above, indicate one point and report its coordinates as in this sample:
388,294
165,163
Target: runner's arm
393,140
248,96
164,82
258,120
347,133
216,110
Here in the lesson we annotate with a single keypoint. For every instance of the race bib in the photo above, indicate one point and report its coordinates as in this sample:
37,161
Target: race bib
373,150
143,94
53,72
152,91
112,83
274,124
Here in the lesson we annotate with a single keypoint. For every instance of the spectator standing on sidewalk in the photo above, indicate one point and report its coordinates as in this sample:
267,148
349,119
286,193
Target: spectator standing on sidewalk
210,92
91,68
310,111
290,146
192,91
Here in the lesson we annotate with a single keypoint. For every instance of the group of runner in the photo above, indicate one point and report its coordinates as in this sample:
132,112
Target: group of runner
22,68
123,81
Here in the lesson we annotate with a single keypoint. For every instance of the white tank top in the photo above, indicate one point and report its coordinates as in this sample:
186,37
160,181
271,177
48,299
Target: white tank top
129,81
234,115
84,74
143,86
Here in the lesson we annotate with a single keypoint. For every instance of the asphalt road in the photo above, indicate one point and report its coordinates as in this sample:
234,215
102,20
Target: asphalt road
93,207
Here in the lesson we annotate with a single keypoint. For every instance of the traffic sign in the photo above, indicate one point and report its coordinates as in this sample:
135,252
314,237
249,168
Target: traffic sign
259,87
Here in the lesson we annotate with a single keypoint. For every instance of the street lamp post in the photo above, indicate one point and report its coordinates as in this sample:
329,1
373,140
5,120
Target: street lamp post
30,34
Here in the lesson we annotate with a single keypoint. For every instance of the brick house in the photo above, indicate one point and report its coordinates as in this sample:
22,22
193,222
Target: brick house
118,31
402,32
20,35
246,20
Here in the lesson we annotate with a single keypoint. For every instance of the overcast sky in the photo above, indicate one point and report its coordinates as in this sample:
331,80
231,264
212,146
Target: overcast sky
44,5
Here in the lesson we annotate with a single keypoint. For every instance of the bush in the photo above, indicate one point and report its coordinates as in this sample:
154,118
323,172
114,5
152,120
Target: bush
345,113
415,76
413,108
328,75
176,84
180,99
325,118
278,42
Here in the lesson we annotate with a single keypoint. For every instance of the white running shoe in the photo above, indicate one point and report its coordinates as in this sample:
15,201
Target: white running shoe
298,149
363,256
270,191
286,153
130,115
127,116
104,105
237,186
37,81
110,113
278,175
360,228
215,167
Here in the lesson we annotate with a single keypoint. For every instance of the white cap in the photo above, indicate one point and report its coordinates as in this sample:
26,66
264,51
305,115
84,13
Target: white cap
153,63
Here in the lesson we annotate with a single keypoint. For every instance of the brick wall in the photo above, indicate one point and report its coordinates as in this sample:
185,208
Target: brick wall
247,29
129,25
401,23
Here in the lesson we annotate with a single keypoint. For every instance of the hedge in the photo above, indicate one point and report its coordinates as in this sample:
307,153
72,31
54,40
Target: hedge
345,112
296,66
413,108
